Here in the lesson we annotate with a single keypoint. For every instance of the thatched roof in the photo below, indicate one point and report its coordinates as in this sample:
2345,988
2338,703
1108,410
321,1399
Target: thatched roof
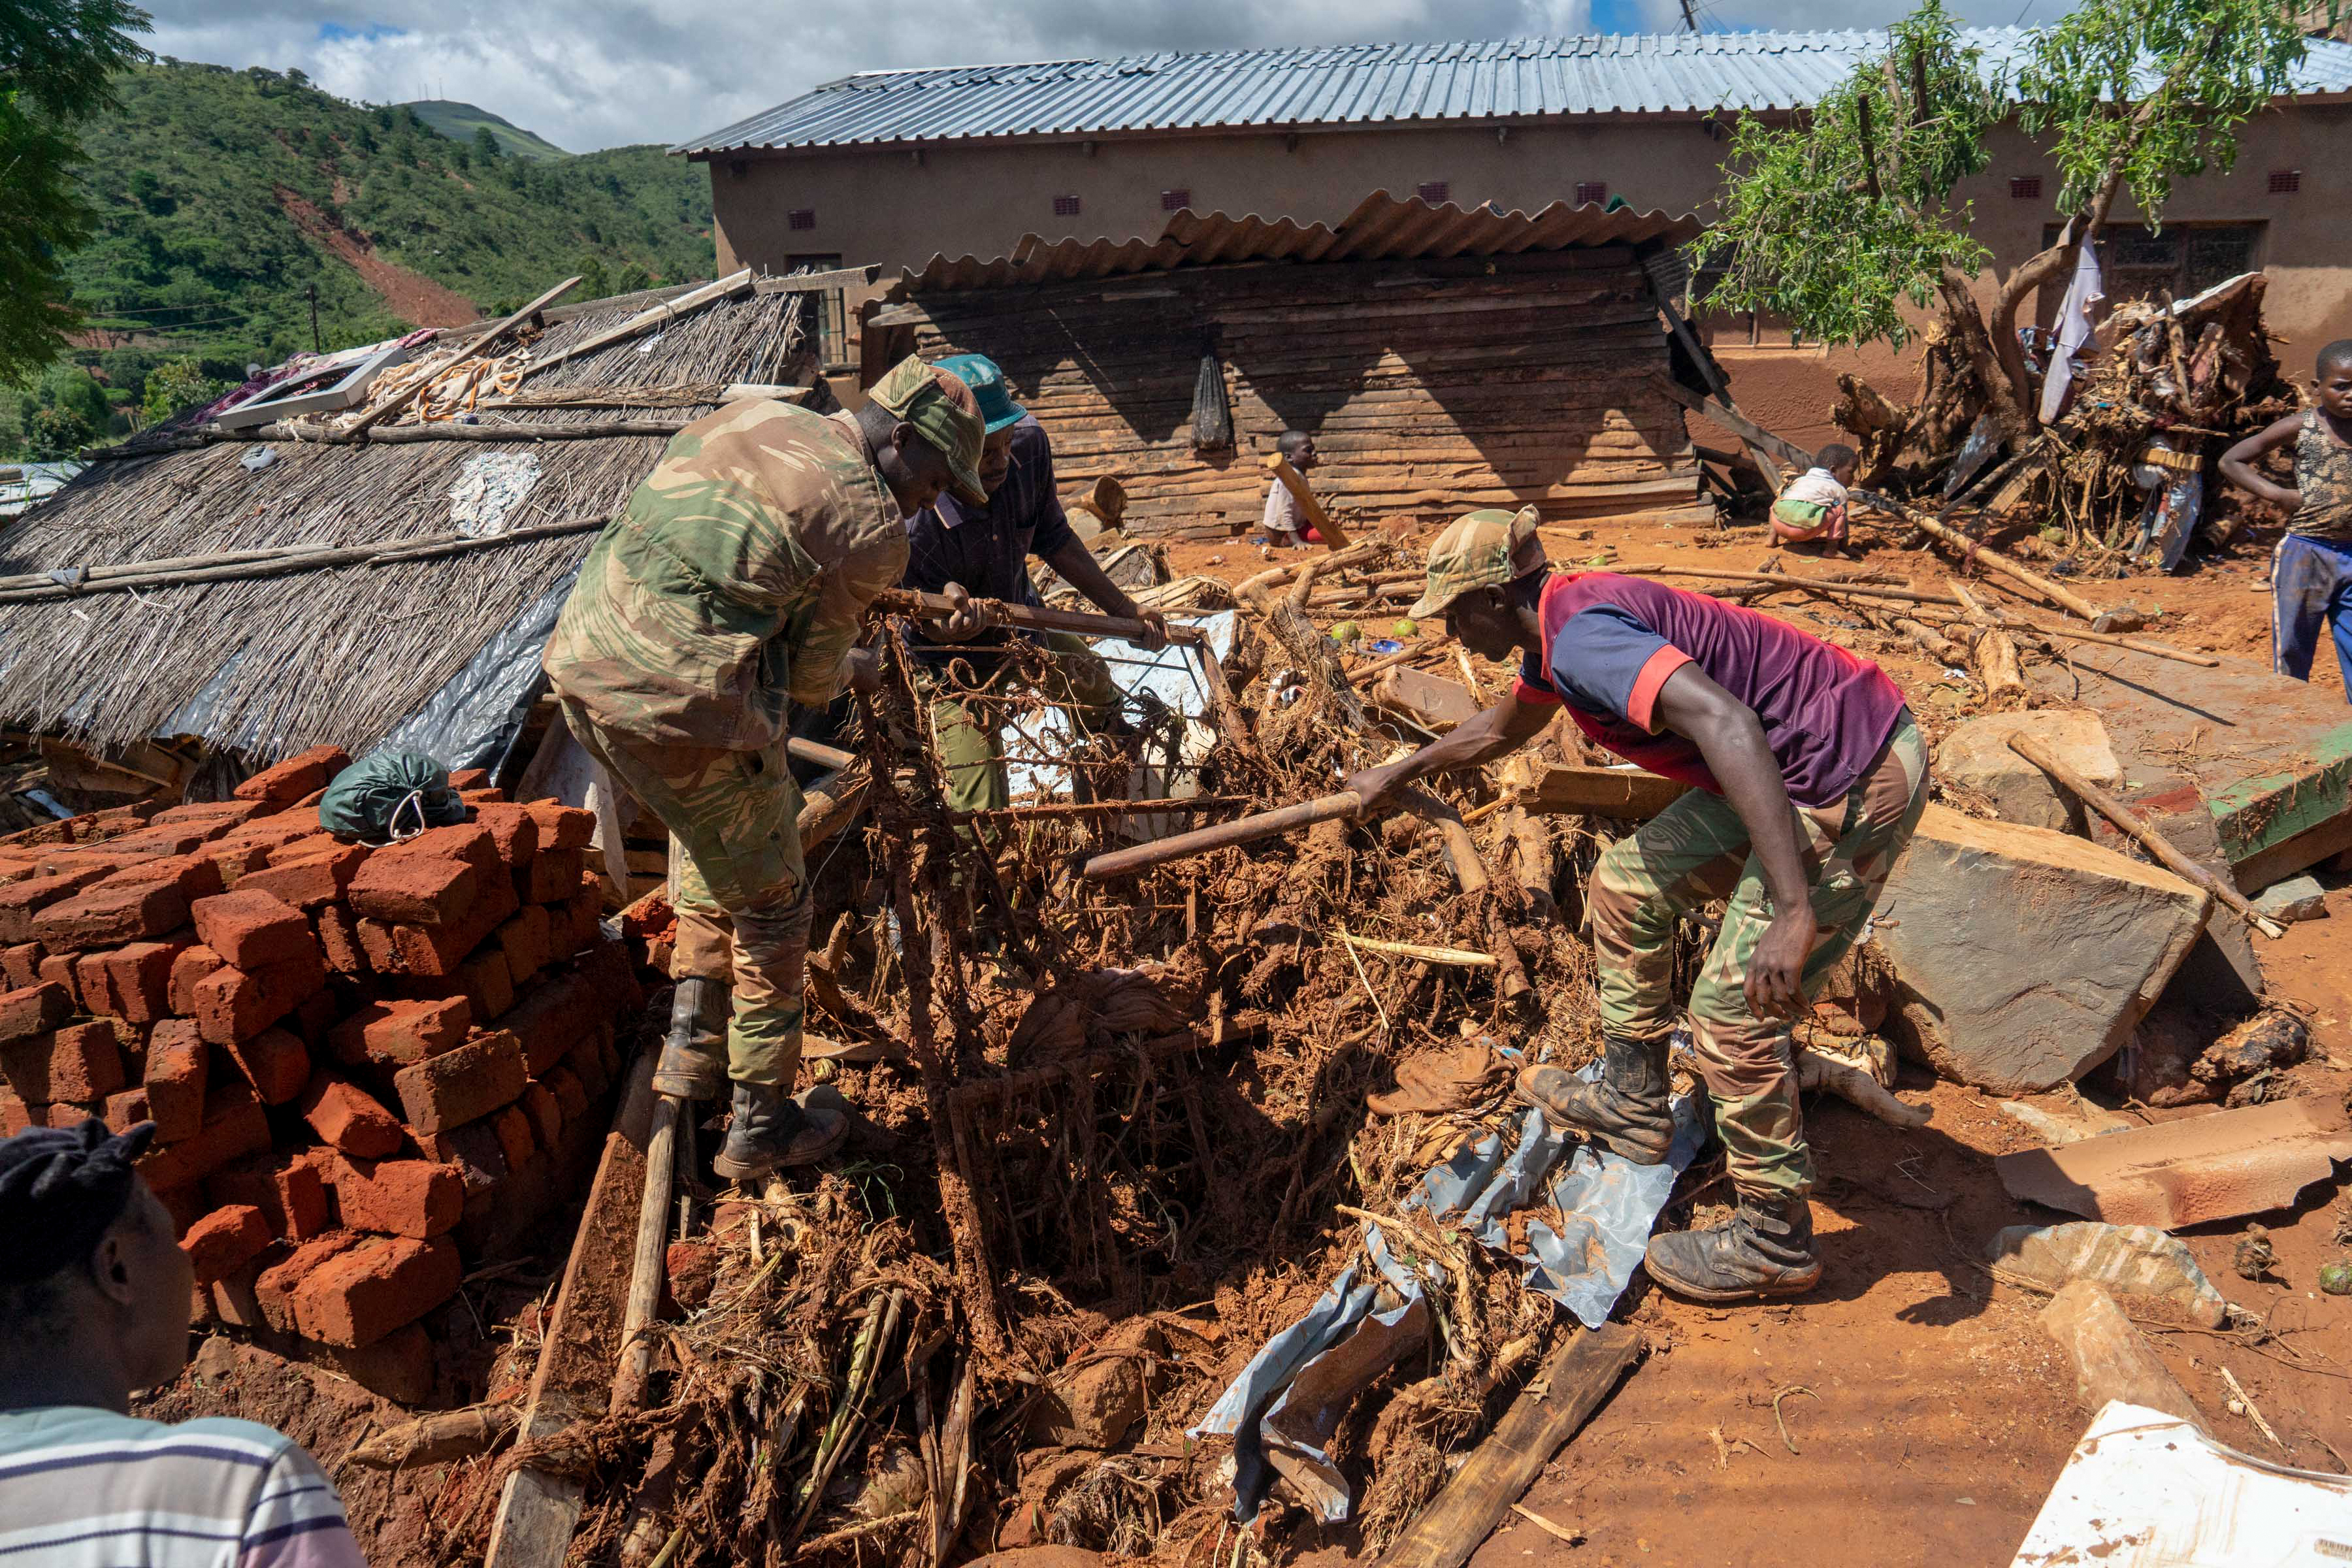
334,656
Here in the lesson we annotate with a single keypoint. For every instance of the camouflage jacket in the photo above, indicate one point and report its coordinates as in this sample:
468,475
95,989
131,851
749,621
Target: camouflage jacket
734,582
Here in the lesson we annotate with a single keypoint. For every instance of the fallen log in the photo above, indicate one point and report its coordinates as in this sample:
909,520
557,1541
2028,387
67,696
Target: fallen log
441,1438
1560,1399
1971,552
2136,826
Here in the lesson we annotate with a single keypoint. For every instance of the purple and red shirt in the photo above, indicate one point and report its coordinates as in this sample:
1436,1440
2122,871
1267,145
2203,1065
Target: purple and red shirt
1610,643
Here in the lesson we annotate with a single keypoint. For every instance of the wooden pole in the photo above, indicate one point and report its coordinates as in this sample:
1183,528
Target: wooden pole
650,1266
646,320
1295,483
1738,423
1581,1373
1222,835
1971,551
2136,827
1036,617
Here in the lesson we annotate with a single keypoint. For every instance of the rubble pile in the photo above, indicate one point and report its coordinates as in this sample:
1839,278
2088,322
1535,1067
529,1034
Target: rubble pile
366,1066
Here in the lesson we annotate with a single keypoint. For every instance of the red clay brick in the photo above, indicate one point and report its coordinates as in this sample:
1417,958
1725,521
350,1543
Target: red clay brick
399,1197
287,1189
347,1117
139,978
481,980
223,814
250,929
237,859
339,940
33,1010
414,889
357,1296
546,1116
15,1116
318,1012
524,939
274,1291
570,1094
176,1064
465,779
311,844
91,983
197,876
550,1018
462,1085
513,830
587,908
380,947
169,841
309,881
467,841
267,834
395,1034
82,1063
192,966
515,1140
562,827
473,1151
237,1004
440,951
224,1241
274,1062
57,968
22,902
295,777
111,915
127,1109
20,963
552,876
588,1062
233,1127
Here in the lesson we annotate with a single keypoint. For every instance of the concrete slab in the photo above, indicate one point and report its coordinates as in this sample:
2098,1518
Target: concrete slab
2269,759
2187,1171
1975,756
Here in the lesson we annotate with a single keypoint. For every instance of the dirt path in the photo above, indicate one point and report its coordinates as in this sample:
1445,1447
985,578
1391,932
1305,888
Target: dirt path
411,296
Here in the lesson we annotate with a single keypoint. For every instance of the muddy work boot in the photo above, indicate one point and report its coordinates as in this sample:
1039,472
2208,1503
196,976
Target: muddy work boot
1765,1248
770,1131
1625,1112
693,1063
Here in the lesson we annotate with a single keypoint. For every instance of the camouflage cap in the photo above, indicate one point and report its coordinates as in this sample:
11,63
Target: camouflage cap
944,411
1479,550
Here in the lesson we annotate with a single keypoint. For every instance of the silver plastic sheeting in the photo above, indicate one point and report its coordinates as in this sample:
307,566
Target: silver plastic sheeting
1607,1204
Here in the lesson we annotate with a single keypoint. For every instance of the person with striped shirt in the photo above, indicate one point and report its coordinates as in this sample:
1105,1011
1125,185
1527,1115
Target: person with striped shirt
94,1298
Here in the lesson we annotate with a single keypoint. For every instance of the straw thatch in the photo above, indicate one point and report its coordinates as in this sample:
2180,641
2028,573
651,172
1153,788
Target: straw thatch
334,657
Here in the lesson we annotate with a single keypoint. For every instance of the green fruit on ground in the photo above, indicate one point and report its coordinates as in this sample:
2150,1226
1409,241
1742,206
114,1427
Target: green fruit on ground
2336,1279
1347,631
1405,629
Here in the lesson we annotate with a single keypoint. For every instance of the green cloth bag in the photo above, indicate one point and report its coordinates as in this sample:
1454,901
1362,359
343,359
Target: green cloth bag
389,795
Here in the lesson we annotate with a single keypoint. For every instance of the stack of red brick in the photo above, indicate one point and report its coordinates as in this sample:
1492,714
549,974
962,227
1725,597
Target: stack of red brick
364,1065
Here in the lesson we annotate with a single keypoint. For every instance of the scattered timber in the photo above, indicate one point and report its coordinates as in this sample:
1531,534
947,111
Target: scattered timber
400,403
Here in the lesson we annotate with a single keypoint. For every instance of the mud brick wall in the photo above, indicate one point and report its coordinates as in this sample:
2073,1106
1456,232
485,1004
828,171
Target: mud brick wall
367,1067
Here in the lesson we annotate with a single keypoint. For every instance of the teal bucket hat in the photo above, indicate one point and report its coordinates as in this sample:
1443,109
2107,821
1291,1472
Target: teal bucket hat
979,372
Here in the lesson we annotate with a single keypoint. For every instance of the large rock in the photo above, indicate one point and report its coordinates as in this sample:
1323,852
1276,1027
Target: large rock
2023,958
1975,756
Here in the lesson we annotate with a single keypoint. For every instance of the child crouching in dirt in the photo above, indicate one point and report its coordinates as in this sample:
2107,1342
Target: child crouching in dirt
1812,509
2311,569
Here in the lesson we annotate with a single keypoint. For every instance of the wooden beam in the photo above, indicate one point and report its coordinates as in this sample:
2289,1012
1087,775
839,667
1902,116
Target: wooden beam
1039,617
649,1268
1295,483
645,321
1731,419
1572,1385
1560,791
818,283
539,1510
375,416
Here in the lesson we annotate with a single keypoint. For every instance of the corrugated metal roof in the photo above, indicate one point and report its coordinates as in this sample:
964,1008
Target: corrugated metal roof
1512,78
1380,228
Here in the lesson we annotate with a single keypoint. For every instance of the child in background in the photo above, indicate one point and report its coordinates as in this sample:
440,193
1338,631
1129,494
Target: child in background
2311,571
1285,523
1812,508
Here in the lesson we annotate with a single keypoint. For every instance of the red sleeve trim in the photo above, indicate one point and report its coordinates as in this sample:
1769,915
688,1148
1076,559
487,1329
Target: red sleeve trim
1521,691
1641,705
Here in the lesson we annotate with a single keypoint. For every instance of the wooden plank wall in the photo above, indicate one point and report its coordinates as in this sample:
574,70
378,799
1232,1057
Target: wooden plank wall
1430,386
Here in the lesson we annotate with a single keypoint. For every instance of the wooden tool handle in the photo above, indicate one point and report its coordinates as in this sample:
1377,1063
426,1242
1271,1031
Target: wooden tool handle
1034,617
1224,835
1280,466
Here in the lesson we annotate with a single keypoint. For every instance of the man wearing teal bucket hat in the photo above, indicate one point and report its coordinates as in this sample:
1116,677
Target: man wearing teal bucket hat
955,548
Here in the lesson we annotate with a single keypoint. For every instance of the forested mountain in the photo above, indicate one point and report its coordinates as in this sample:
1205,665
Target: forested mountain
232,202
464,122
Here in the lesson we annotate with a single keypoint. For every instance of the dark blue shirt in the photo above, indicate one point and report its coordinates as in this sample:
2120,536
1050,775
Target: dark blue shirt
987,549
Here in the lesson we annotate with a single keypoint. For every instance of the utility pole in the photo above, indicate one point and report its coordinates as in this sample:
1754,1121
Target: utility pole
1690,21
318,347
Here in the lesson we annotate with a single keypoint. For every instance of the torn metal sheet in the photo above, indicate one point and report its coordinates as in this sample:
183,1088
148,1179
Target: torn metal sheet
2183,1172
1171,678
2144,1490
1604,1204
1296,1432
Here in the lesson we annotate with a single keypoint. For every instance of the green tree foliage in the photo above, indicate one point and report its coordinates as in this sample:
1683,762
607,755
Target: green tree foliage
485,145
176,386
52,434
57,62
1839,221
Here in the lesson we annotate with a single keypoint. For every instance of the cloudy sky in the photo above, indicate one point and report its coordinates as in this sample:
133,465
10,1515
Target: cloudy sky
599,73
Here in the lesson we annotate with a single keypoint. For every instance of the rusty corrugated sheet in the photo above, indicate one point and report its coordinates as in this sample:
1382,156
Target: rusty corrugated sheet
1381,228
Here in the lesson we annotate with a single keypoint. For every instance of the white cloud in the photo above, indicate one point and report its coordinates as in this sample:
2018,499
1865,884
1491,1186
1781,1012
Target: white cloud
598,73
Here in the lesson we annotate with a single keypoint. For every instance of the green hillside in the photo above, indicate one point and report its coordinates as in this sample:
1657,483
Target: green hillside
460,122
225,197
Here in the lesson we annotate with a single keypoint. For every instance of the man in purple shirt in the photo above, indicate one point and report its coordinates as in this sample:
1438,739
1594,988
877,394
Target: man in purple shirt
1810,777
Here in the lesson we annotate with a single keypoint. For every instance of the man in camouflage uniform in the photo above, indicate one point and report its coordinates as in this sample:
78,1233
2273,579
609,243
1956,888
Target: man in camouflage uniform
1810,777
733,585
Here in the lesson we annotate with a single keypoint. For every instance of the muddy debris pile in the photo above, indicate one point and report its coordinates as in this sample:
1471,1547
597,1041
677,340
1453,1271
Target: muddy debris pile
368,1067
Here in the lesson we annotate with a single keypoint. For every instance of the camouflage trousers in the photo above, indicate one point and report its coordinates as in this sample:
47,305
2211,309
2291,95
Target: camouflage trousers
736,879
968,722
1696,851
